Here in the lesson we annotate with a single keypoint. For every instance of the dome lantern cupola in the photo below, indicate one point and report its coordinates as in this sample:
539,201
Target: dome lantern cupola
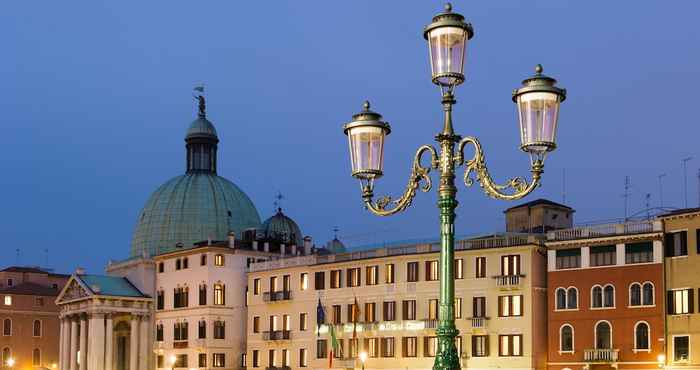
281,228
202,142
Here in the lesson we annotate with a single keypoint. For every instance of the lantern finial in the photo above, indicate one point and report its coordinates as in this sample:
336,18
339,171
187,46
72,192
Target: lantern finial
448,8
366,105
539,69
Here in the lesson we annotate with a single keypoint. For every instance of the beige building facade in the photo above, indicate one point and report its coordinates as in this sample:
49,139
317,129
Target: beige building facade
500,307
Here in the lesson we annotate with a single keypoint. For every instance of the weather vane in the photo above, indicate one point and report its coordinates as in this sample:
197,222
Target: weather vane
278,201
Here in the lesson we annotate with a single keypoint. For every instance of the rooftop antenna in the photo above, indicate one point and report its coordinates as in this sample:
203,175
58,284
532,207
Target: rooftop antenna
647,197
661,190
563,185
626,195
278,201
335,232
685,180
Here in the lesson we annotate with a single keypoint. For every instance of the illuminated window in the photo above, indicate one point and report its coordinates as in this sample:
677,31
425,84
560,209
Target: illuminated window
387,347
336,278
459,269
372,276
510,305
256,286
458,308
480,345
432,309
256,324
302,321
302,357
8,300
219,260
36,357
410,347
480,270
510,345
219,297
430,346
389,273
304,279
218,359
431,271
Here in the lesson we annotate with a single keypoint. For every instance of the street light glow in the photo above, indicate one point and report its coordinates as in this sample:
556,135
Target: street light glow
363,356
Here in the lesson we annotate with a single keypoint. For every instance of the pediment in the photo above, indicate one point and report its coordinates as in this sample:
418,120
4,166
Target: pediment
73,290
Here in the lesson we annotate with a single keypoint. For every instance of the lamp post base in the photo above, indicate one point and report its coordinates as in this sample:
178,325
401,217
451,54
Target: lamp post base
447,358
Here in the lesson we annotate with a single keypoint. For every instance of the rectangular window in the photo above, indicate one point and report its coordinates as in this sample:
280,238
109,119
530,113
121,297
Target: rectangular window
286,323
256,286
353,313
202,330
218,359
388,347
433,309
286,283
459,268
302,357
180,361
568,258
304,281
479,307
429,346
681,348
370,312
256,324
354,277
160,300
409,346
458,308
353,346
159,361
256,358
273,284
336,314
339,352
639,252
219,295
389,311
409,310
271,358
201,360
510,305
202,295
480,345
285,358
273,323
320,280
412,272
302,321
219,329
510,345
603,255
480,268
180,330
161,267
336,278
680,301
431,271
321,348
372,347
510,265
389,273
676,244
372,275
180,297
159,333
203,261
219,260
39,301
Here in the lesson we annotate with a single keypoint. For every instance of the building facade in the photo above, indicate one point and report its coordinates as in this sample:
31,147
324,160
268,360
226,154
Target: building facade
606,296
682,281
500,307
29,316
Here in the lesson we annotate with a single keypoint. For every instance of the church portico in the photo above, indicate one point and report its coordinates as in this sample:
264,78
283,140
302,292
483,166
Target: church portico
105,324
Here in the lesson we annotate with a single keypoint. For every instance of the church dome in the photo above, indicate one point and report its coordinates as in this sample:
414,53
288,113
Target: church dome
336,246
281,228
196,206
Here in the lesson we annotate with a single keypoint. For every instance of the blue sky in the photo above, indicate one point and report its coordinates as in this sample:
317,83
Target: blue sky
96,97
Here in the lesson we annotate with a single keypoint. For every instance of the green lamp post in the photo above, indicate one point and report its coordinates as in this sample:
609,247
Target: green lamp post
537,100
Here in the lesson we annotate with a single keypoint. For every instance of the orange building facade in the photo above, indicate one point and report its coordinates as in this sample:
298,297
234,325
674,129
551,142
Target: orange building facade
606,297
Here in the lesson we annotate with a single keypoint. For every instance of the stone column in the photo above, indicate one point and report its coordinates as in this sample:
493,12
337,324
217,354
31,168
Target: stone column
65,352
83,343
133,346
109,349
73,344
144,342
96,354
61,342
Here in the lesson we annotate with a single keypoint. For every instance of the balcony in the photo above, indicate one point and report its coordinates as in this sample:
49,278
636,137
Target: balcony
602,230
430,323
180,344
601,355
478,322
282,295
276,335
278,368
507,282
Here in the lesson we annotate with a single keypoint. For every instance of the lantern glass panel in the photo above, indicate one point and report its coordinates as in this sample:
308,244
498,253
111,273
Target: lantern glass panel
539,112
366,150
447,49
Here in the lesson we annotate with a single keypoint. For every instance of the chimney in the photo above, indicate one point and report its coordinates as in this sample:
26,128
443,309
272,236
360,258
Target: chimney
231,239
80,271
179,245
307,245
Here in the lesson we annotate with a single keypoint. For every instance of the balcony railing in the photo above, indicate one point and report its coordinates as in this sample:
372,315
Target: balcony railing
600,355
478,322
282,295
593,231
430,323
276,335
278,368
509,281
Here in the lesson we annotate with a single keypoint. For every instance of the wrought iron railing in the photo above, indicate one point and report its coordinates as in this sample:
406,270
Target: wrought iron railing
282,295
276,335
600,355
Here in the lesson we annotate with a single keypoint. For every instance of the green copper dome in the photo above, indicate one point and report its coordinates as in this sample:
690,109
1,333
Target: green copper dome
196,206
336,246
281,228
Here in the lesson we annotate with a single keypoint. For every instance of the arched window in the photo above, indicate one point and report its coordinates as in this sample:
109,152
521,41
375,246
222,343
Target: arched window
609,296
561,298
7,327
635,294
36,357
6,354
603,335
648,294
572,298
566,338
641,336
36,328
597,296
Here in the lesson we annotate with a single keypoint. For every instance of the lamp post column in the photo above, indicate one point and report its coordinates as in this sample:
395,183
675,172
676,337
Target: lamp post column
447,357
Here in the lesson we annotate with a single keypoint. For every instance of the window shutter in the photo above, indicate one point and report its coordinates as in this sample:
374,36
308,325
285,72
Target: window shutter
500,306
669,302
404,309
487,346
517,264
475,309
427,270
684,243
522,309
503,265
691,301
668,244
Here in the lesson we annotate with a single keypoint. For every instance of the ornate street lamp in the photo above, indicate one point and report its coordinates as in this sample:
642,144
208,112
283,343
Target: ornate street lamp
538,101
